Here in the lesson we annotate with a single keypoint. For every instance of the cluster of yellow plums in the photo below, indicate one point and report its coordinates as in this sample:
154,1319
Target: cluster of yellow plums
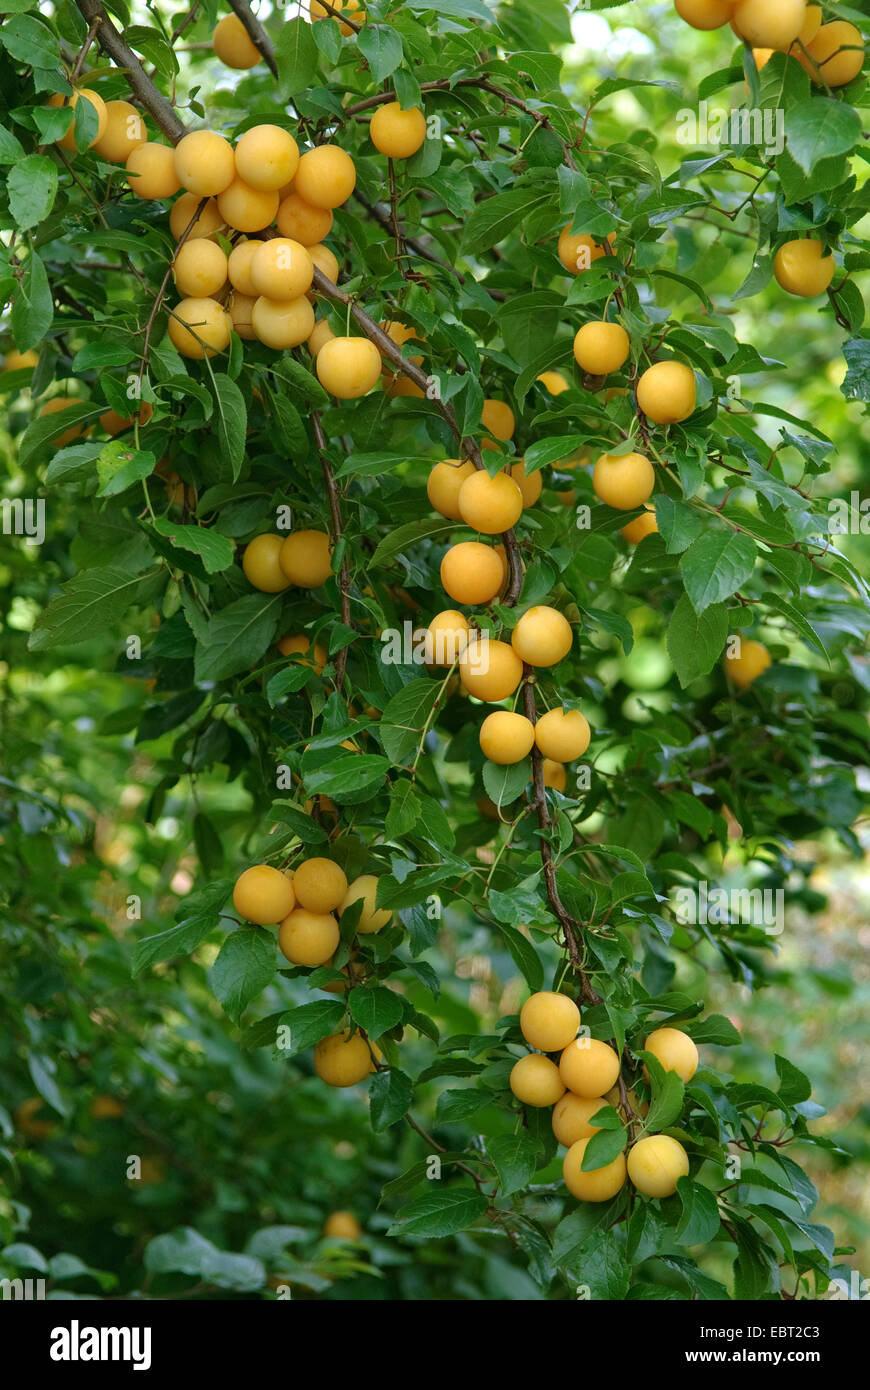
305,904
583,1082
832,54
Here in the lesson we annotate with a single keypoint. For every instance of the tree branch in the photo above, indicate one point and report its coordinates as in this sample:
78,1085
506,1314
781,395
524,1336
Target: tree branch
115,46
570,927
256,33
385,219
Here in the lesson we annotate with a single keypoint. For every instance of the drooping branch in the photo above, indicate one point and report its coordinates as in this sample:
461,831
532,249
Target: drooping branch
571,929
337,532
469,448
256,33
115,47
385,219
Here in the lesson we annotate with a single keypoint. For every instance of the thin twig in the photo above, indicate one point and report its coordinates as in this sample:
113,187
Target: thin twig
256,33
337,531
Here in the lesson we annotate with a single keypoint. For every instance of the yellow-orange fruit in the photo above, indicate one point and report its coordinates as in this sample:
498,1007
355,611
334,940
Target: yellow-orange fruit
281,269
562,735
282,323
114,424
655,1165
301,221
364,889
261,564
348,367
349,7
498,418
762,57
199,268
58,403
811,25
396,133
319,884
106,1108
267,157
490,670
25,1119
837,53
596,1185
705,14
343,1059
666,392
325,261
554,382
183,209
342,1225
769,23
204,163
233,44
151,171
577,250
548,1020
16,361
320,334
308,938
247,209
542,636
643,525
199,328
555,775
802,268
588,1067
490,505
263,895
623,481
535,1081
506,738
124,131
444,485
571,1116
601,347
748,662
472,572
299,644
447,637
239,267
326,177
530,487
67,141
306,558
675,1050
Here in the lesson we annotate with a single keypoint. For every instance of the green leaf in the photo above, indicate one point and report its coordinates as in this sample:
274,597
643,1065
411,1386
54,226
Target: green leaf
237,636
524,956
296,56
390,1095
496,217
375,1009
30,41
716,565
794,1086
350,778
231,418
515,1156
603,1148
678,523
244,967
303,1027
819,129
696,641
381,47
699,1220
504,782
439,1214
430,528
92,603
120,465
215,550
32,187
578,1227
667,1098
32,308
603,1268
856,383
182,939
405,716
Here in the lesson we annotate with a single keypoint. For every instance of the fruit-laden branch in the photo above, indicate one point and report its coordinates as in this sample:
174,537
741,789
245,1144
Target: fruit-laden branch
337,14
468,447
113,44
256,33
337,532
386,220
570,927
482,84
